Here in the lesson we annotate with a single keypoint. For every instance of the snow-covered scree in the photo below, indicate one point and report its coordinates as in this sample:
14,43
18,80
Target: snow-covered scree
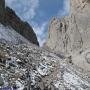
27,66
11,35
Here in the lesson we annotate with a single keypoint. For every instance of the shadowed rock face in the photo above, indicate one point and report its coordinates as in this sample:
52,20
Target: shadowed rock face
2,9
9,18
71,34
88,1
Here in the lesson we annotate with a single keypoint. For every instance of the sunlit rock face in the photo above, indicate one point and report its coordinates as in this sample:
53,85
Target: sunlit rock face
71,34
57,38
81,22
81,19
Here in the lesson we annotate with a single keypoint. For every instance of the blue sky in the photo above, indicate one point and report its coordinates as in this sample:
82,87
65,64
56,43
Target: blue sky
38,13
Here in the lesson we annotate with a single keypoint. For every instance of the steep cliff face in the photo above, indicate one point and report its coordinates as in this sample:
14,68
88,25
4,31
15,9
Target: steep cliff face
9,18
71,35
57,39
79,24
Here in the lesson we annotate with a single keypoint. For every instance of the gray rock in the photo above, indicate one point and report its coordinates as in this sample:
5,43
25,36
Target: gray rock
48,71
71,34
1,81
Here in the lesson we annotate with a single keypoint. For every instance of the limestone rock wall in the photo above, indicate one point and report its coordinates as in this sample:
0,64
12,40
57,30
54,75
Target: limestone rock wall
73,29
58,39
80,21
71,34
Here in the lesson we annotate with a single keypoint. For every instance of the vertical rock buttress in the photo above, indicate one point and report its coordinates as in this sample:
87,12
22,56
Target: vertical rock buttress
71,34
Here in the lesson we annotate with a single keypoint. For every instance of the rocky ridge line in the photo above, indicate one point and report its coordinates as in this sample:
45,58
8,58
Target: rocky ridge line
9,18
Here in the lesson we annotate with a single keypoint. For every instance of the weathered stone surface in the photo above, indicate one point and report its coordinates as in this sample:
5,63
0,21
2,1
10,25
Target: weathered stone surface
57,39
74,28
39,70
1,81
71,34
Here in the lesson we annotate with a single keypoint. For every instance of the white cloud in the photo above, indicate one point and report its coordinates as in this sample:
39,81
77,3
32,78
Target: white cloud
65,9
67,5
26,8
40,32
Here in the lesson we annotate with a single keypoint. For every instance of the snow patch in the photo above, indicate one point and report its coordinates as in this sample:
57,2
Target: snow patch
11,35
74,80
19,85
43,69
